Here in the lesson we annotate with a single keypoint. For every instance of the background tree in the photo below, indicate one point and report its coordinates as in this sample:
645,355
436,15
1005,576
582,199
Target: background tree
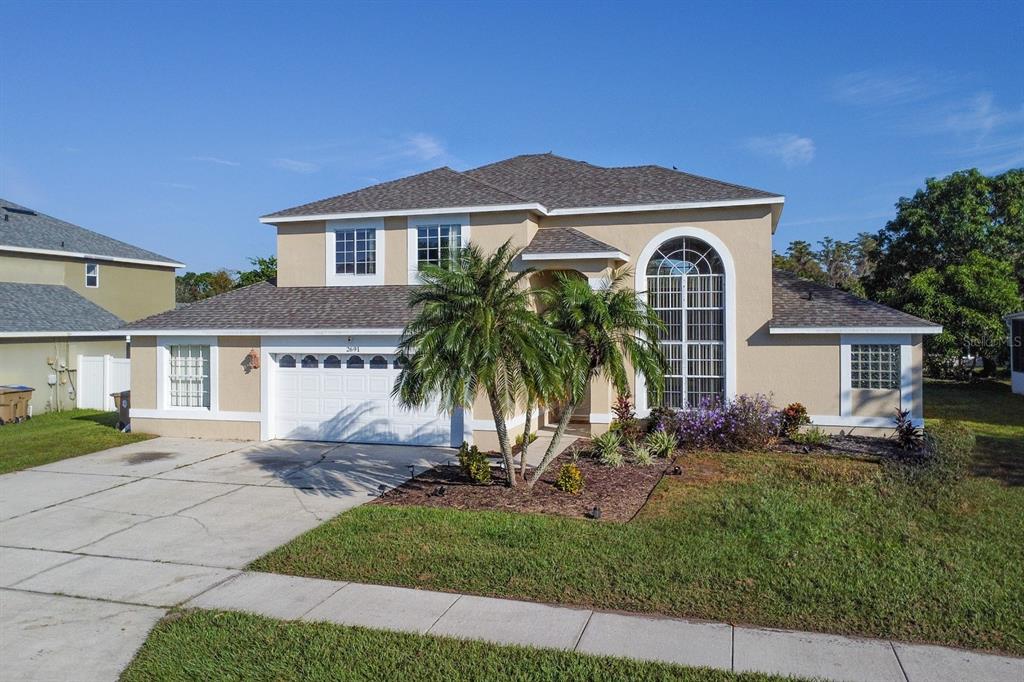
800,259
954,254
195,286
264,270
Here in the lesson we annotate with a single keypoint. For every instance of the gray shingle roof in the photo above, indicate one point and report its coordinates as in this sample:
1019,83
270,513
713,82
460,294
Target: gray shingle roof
26,228
439,188
799,302
565,240
266,306
547,179
50,308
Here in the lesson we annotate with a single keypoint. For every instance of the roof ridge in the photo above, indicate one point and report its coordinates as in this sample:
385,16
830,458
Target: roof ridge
491,186
721,182
593,240
842,293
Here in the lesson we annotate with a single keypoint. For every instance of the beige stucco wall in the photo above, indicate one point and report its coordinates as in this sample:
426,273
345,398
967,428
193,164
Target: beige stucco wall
24,362
870,402
197,428
128,290
301,254
396,255
144,372
238,383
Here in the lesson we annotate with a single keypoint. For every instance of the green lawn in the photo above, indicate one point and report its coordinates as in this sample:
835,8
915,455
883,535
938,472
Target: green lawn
59,435
804,542
210,645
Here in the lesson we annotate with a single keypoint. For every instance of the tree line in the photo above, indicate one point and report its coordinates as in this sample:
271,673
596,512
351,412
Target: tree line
954,254
195,286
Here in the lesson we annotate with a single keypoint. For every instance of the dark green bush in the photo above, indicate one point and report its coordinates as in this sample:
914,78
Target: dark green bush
474,464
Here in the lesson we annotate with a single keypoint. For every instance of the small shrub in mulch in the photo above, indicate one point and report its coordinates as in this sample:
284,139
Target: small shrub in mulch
618,492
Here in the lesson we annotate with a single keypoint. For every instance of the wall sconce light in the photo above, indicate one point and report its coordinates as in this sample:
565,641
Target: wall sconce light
254,358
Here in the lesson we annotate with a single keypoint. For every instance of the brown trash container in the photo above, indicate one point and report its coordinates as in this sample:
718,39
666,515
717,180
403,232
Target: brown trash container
124,403
14,403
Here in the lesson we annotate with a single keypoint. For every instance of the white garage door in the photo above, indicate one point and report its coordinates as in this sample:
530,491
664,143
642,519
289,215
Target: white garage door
347,398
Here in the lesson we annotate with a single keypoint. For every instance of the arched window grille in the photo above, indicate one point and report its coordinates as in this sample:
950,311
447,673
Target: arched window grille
310,362
686,287
286,361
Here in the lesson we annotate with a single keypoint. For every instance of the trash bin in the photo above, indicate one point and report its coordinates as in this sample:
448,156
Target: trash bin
14,403
124,402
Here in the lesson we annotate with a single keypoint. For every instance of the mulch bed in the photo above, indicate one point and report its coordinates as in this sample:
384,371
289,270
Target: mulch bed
849,446
618,493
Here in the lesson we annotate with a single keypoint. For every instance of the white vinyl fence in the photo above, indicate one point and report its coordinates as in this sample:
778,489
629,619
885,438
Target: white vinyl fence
98,377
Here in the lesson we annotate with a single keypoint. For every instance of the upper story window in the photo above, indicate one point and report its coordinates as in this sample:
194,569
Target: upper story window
875,366
437,244
189,375
355,251
92,275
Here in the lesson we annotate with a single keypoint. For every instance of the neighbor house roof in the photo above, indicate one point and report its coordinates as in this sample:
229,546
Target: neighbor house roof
567,241
265,306
800,305
546,183
27,230
29,308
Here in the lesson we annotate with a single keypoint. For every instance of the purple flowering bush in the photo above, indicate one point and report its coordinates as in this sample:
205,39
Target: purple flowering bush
748,422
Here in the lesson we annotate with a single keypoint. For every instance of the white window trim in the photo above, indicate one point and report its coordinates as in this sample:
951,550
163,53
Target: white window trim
346,279
906,389
642,408
163,383
92,286
413,222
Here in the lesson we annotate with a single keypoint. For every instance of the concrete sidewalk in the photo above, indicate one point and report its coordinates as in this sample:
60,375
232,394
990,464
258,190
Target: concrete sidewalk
693,643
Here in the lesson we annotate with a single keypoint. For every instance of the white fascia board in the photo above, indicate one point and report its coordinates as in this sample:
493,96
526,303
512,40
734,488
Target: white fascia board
576,256
855,330
91,256
583,210
256,332
271,220
531,206
52,334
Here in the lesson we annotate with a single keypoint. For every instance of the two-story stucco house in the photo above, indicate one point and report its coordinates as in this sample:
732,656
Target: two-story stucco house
312,357
61,287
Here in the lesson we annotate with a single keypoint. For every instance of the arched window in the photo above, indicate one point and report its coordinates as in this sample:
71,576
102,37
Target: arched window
354,362
286,361
310,362
332,362
686,287
401,362
378,362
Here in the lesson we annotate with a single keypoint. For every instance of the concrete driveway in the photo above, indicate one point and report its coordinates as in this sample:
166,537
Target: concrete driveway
94,549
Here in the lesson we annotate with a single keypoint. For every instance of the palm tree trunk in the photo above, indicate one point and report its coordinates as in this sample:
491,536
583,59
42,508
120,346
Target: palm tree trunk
506,449
563,424
526,439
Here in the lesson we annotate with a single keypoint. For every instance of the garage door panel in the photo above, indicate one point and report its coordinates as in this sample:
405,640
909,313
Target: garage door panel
342,404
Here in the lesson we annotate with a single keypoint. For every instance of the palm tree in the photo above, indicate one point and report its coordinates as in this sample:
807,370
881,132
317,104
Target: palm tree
604,327
474,332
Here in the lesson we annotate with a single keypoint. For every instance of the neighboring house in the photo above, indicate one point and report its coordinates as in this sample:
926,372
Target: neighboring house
313,357
61,286
1015,327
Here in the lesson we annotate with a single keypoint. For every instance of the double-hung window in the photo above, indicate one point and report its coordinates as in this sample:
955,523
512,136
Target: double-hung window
437,244
355,251
189,375
92,275
875,366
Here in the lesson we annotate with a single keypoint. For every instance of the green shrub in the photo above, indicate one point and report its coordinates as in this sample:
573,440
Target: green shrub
570,479
642,455
935,469
661,443
474,464
519,439
792,419
606,446
812,436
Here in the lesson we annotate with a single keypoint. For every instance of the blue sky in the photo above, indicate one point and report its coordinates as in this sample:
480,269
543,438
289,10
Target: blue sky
174,126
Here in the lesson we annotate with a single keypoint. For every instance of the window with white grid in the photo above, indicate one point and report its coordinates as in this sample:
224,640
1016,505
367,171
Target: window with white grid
355,251
686,288
437,244
190,376
875,366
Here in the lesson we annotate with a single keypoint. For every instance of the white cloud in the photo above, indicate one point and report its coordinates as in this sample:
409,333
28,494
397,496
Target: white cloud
296,166
979,114
874,88
424,147
793,150
215,159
